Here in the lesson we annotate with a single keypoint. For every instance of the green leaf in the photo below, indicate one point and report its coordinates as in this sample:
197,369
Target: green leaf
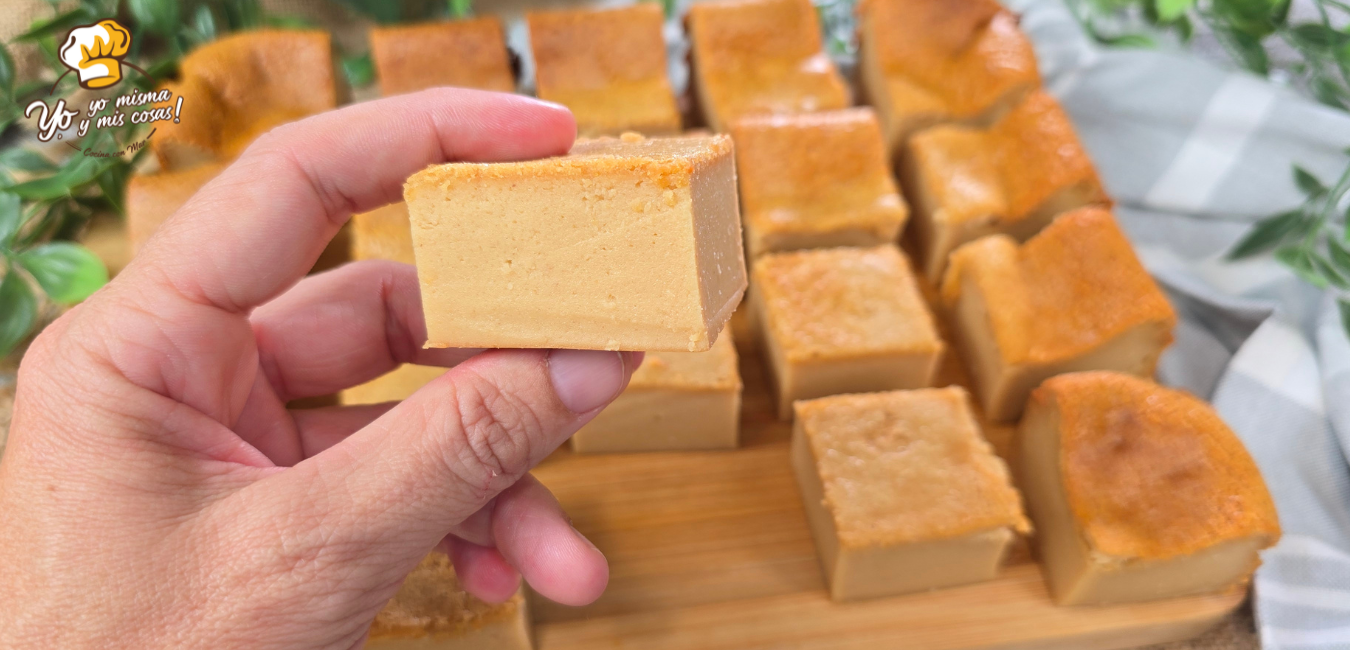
288,21
67,271
460,8
1339,255
1267,234
205,23
1300,262
1307,183
1248,50
59,24
25,159
1170,10
1318,36
360,70
1325,269
6,72
76,173
1129,40
18,310
11,218
1344,307
158,16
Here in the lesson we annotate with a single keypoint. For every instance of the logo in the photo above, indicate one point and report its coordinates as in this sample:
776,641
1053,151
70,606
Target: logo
95,52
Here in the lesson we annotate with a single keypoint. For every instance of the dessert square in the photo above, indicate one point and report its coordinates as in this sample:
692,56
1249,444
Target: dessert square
924,62
607,66
623,244
1138,492
241,86
902,492
760,56
383,234
430,611
1011,178
843,320
468,53
1074,297
676,401
815,180
394,386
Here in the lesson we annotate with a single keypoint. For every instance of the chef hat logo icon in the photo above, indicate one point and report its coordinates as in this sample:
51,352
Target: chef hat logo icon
95,52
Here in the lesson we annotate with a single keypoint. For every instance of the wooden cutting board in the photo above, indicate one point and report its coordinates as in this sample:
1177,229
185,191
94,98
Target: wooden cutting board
711,551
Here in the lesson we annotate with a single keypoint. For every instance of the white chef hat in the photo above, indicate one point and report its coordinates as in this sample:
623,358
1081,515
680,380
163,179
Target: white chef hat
95,52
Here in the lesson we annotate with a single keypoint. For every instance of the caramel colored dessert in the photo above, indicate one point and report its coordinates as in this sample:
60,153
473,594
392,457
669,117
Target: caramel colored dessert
1011,178
241,86
623,244
676,401
607,66
394,386
1138,492
153,198
843,320
468,53
925,62
902,492
760,56
815,180
431,612
383,234
1072,298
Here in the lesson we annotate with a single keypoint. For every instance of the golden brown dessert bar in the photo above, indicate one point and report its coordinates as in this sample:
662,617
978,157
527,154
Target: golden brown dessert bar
432,612
676,401
815,180
394,386
843,320
607,66
924,62
760,56
624,244
239,87
1138,492
469,53
383,234
1074,297
902,492
1011,178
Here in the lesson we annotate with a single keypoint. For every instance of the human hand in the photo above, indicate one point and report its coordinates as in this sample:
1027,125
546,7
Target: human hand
156,492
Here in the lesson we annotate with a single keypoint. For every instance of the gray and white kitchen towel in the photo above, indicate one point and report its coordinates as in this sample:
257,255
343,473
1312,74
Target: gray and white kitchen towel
1194,153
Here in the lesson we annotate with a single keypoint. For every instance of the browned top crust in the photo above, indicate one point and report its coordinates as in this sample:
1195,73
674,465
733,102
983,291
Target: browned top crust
907,466
837,303
1067,290
431,603
1152,472
714,369
607,66
468,53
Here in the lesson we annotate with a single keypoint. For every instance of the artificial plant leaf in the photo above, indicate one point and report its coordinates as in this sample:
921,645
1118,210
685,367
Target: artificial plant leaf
460,8
18,309
1267,234
25,159
359,69
205,22
1170,10
1307,183
1344,307
158,16
1300,262
67,271
59,23
6,72
11,217
1328,272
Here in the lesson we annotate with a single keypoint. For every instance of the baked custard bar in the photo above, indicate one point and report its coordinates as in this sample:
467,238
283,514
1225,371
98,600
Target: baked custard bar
902,492
843,320
623,244
607,66
924,62
431,612
1074,297
1011,178
815,180
1138,492
468,53
760,56
675,401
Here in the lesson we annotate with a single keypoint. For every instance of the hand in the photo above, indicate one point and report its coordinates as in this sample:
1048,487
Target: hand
156,492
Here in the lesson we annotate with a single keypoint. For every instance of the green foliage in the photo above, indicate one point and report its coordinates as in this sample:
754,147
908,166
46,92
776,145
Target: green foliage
19,307
68,272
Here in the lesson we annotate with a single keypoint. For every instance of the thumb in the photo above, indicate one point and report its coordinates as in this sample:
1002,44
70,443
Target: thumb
398,486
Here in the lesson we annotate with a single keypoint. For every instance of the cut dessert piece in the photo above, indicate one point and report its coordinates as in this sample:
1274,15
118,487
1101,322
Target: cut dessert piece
239,87
607,66
760,56
152,198
675,401
624,244
902,492
843,320
432,612
394,386
815,180
925,62
468,53
1138,492
383,234
1012,178
1072,298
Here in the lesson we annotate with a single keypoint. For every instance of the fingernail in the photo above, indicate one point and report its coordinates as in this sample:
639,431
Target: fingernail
585,379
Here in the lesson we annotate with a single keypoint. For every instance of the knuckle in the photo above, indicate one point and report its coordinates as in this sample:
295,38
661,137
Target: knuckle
496,428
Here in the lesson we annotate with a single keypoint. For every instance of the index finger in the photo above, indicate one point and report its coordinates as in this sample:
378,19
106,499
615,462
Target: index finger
258,227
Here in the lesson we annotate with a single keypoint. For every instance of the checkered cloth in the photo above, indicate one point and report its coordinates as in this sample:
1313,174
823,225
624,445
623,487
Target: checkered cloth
1194,153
